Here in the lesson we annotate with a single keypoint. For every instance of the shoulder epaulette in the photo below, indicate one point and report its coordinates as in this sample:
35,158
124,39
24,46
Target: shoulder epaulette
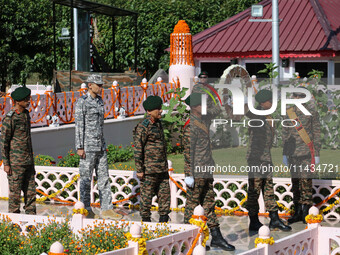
10,113
84,96
146,122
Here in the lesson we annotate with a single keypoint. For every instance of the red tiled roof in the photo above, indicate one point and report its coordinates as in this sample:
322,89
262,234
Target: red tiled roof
305,30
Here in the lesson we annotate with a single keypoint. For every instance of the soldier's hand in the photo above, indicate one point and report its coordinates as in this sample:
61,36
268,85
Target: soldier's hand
81,153
8,170
140,176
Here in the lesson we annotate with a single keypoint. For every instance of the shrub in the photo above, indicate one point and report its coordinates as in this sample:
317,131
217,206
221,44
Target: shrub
40,240
10,238
102,238
44,160
99,238
176,114
70,160
118,153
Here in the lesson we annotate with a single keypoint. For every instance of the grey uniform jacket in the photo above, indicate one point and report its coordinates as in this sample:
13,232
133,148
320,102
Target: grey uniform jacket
89,119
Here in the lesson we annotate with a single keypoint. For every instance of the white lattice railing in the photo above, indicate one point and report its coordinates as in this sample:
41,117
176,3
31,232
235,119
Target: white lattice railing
329,241
229,190
305,242
164,245
315,240
63,104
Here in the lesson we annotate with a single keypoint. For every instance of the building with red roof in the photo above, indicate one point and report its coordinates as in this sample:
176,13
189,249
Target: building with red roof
309,39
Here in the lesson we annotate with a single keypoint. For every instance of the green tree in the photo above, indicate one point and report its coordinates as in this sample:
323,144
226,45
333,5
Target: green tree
26,29
26,42
156,21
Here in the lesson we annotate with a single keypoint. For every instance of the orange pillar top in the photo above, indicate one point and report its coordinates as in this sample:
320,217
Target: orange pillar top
181,45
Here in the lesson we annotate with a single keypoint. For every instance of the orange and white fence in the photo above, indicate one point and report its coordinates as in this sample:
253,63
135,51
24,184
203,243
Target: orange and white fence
63,104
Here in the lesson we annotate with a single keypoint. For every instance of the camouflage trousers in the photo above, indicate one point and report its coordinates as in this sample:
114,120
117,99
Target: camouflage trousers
201,194
302,180
258,182
155,184
95,161
22,179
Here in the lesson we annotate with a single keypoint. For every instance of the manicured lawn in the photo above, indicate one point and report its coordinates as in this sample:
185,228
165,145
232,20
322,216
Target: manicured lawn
237,157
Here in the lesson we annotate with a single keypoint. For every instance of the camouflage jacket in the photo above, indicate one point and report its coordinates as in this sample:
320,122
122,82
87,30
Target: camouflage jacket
197,149
150,147
186,150
16,142
89,120
260,138
213,110
293,145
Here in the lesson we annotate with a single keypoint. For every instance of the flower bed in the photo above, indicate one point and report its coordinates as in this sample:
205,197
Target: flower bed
33,235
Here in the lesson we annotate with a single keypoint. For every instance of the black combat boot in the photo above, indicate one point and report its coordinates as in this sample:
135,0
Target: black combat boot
305,212
163,218
297,214
218,240
146,219
276,222
255,223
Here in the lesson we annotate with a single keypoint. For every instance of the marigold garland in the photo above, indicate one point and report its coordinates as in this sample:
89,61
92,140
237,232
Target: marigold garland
230,211
329,207
42,199
204,228
269,241
81,211
141,243
285,208
314,218
181,27
199,217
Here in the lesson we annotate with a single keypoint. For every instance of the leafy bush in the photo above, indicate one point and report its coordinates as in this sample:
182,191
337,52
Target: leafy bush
101,238
95,239
118,153
40,240
10,237
44,160
174,119
70,160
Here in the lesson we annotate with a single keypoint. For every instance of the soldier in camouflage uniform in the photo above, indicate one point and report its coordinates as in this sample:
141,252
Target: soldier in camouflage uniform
213,110
151,161
17,153
200,188
258,155
298,155
90,145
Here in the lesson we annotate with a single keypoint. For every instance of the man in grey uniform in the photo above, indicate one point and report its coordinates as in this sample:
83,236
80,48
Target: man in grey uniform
90,145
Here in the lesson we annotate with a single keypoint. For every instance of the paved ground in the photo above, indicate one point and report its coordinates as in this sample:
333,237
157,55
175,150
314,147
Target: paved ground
234,228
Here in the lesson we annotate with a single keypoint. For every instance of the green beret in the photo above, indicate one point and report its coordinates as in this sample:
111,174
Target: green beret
194,99
20,93
263,96
203,73
152,103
